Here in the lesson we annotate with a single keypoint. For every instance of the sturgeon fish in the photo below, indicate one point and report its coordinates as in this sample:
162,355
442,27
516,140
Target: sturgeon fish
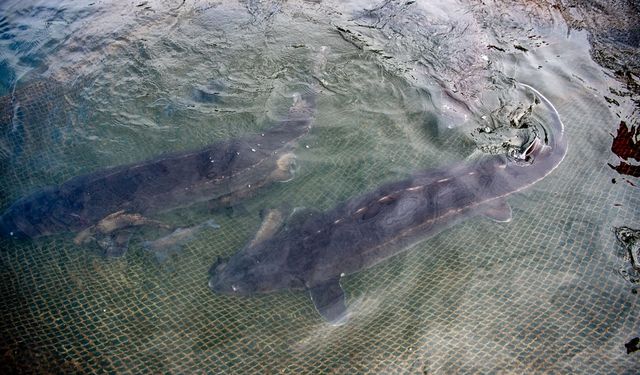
313,250
117,198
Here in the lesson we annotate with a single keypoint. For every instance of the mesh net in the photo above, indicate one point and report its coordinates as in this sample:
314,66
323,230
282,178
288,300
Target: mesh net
542,293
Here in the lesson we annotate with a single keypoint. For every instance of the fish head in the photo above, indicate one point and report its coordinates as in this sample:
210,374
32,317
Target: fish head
235,278
39,214
248,273
10,229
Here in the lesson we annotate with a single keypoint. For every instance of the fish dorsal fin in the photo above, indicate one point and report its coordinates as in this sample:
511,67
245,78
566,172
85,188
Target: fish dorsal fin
329,300
499,211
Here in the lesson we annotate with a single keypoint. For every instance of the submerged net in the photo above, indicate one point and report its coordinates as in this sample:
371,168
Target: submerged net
542,293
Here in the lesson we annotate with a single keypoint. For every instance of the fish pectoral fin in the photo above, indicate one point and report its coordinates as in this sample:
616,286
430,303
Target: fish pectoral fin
174,242
499,211
122,220
286,167
115,245
109,229
85,236
272,221
329,300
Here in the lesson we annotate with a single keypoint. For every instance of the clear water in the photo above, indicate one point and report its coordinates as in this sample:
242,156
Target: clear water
404,86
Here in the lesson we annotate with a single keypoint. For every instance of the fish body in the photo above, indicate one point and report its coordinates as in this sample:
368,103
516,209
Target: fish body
313,250
225,170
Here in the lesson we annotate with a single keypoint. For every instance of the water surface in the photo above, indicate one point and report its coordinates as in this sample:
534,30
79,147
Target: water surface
404,86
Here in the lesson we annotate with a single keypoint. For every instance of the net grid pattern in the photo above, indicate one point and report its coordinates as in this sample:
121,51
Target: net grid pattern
539,294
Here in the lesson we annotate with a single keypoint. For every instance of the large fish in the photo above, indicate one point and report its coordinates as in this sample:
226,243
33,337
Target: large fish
118,198
313,250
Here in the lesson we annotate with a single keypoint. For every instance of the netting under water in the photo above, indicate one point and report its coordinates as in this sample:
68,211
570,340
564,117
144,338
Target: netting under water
542,293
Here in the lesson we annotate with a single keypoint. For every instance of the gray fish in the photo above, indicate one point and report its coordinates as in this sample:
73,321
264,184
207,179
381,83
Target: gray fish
172,243
313,250
221,172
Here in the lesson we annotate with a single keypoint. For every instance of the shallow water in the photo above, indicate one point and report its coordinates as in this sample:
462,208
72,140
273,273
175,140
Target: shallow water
402,86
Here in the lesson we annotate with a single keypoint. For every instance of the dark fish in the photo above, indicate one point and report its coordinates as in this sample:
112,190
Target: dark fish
313,250
223,171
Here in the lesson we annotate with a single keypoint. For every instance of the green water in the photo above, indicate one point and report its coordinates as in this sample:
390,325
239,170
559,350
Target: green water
394,95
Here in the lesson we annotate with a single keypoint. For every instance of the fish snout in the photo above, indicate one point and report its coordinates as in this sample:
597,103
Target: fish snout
220,284
225,279
212,283
218,266
8,229
216,277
